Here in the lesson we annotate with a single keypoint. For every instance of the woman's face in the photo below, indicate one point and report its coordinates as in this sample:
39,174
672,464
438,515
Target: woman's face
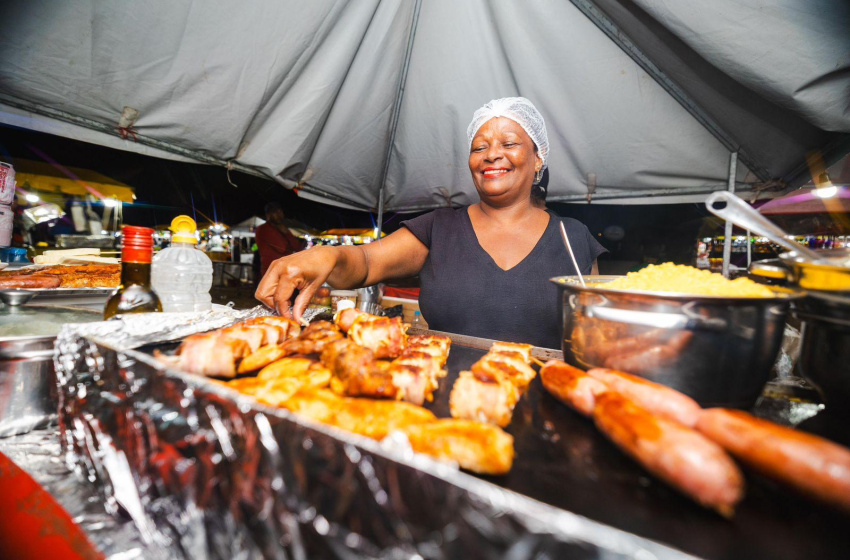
503,160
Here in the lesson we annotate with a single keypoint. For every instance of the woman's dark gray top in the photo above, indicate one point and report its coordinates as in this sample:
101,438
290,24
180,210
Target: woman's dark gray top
464,291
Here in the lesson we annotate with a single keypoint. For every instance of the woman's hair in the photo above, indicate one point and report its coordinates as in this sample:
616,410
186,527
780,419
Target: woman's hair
540,189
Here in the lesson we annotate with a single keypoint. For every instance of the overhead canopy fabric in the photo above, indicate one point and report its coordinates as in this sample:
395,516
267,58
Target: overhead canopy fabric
644,100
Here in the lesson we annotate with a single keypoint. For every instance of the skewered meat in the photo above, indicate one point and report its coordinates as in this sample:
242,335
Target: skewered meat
345,318
290,328
509,364
417,374
680,456
524,349
208,354
434,345
813,465
571,386
356,373
490,391
658,399
313,338
483,397
480,448
384,336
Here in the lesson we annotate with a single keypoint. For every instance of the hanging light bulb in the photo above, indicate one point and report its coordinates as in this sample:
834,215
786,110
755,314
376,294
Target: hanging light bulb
826,192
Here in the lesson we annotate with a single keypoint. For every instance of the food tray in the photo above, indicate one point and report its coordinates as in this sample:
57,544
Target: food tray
220,474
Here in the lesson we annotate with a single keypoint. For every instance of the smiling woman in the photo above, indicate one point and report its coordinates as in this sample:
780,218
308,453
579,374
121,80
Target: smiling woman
484,269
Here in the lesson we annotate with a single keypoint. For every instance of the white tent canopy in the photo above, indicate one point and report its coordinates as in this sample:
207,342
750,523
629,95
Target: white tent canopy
354,100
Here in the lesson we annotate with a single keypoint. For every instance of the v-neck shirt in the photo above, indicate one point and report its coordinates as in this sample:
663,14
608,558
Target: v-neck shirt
464,291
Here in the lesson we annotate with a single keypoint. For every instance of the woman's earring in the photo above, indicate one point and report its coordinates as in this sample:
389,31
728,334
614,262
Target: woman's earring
538,176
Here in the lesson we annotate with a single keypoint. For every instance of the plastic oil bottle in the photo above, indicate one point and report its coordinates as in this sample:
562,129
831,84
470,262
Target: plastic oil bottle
182,274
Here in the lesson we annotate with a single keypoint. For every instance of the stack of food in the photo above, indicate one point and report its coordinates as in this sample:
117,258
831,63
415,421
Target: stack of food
327,371
62,276
491,390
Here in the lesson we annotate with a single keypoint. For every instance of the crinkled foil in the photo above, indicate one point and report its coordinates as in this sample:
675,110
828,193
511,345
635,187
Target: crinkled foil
40,455
204,472
131,331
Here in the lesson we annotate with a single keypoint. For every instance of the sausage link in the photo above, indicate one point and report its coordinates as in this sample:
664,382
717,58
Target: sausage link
814,466
571,386
28,281
678,455
656,398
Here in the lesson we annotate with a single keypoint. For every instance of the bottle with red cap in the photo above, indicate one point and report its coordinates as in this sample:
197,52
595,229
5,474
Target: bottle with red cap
135,294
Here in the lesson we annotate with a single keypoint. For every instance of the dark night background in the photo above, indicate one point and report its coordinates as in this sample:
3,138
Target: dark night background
167,188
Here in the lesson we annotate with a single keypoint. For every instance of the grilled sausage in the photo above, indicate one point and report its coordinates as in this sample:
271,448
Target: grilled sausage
814,466
571,386
658,399
678,455
28,281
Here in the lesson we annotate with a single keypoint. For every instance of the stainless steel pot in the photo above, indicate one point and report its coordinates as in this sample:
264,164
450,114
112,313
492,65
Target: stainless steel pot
717,350
824,315
27,379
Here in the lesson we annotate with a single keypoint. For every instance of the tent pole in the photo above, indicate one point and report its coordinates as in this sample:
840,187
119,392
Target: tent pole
379,226
727,241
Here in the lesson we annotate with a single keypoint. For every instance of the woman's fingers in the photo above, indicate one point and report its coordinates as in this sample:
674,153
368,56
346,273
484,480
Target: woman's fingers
302,301
277,286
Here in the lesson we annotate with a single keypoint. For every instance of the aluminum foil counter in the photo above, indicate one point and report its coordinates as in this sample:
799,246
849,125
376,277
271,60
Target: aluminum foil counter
206,473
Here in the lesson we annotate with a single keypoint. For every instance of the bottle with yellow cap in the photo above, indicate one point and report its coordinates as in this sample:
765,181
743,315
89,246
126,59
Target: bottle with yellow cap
182,274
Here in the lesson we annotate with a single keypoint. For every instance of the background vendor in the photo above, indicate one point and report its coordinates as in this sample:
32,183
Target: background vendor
484,269
273,238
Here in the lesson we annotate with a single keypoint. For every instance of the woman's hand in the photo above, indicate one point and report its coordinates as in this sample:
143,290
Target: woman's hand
304,271
399,255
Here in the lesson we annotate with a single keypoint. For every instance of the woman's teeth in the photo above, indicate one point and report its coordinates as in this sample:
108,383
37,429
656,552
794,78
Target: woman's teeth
493,173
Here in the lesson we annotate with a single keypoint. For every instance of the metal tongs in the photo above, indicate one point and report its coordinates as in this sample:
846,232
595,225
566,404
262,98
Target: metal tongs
745,216
572,255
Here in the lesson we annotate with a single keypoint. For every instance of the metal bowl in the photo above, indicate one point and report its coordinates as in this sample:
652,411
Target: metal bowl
718,350
830,275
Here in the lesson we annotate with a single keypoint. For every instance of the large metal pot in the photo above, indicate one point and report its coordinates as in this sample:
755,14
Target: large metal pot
27,379
824,315
718,350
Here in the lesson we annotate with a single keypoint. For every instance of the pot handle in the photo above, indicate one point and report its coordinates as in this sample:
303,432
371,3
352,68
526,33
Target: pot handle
687,320
770,269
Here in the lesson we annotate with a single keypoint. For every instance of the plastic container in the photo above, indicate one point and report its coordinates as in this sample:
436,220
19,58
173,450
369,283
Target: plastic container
7,183
182,274
14,255
346,298
7,217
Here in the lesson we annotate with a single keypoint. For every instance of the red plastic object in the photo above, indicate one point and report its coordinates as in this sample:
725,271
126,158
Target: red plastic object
406,293
33,526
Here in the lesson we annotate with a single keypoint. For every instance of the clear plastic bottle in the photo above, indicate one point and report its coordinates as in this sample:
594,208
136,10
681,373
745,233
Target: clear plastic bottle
182,274
417,323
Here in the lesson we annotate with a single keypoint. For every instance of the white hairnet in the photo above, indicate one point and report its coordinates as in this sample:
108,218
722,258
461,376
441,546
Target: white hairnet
520,110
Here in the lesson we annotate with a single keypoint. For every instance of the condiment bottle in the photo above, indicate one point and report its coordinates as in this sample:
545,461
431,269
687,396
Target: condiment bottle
135,294
182,274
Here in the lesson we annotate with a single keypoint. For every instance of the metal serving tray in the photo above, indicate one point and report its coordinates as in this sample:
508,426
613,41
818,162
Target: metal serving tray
220,475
